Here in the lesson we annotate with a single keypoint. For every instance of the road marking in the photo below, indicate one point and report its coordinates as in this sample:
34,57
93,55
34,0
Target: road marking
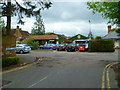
105,75
37,82
15,69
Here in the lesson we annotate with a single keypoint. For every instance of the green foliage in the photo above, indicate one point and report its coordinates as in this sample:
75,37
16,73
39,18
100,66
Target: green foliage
2,27
110,10
30,41
9,61
38,28
4,31
76,37
49,33
98,37
62,39
23,8
118,31
103,45
113,29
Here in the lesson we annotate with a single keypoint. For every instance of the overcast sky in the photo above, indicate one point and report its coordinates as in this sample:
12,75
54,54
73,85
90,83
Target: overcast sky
69,18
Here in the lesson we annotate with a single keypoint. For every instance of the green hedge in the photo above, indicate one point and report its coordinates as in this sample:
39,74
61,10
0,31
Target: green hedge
9,61
103,45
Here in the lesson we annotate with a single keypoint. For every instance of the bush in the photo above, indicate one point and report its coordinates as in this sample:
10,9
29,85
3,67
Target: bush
30,41
34,45
9,61
103,45
98,37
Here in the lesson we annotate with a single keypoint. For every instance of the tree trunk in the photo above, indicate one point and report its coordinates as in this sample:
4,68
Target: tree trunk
8,27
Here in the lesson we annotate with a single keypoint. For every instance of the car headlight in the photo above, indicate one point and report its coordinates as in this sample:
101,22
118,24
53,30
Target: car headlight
26,49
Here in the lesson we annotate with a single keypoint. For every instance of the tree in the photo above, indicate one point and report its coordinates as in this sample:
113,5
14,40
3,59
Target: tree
90,35
49,33
98,38
2,27
38,28
113,29
30,41
110,10
28,9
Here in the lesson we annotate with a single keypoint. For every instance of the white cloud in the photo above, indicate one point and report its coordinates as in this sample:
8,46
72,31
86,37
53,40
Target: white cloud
29,22
66,15
69,18
73,28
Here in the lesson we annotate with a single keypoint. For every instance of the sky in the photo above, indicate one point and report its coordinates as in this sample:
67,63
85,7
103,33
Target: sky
68,18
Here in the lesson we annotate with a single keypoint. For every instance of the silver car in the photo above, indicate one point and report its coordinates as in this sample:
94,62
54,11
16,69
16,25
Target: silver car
22,48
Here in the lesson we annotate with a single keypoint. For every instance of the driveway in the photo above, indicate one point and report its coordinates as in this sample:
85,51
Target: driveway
61,70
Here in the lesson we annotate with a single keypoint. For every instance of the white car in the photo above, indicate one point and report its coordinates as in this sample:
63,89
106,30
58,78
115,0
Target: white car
22,48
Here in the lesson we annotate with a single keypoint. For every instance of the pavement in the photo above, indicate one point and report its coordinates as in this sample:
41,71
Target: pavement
76,69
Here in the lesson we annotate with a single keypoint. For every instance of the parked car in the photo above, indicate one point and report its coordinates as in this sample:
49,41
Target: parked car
47,46
82,44
61,47
71,47
22,48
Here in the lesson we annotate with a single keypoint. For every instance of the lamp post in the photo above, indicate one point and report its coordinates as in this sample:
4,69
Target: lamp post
90,36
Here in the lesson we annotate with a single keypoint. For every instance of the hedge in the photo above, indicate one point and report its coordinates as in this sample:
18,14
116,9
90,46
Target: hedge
103,45
7,61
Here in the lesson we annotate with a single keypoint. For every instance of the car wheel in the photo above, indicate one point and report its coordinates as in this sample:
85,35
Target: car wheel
21,52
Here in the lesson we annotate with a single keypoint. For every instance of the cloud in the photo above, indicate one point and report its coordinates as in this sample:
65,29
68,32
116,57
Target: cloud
73,28
70,11
69,18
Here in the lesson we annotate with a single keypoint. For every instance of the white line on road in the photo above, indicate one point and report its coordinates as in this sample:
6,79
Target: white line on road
37,82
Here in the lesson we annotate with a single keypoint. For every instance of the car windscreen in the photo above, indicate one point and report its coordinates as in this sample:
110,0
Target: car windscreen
71,45
26,45
61,45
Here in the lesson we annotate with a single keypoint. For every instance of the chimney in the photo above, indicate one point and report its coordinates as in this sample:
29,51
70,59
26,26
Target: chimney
109,28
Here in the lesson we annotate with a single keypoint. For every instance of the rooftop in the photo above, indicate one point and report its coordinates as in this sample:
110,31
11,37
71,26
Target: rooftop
45,37
112,35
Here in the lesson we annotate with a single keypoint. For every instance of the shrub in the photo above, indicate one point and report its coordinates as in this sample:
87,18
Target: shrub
34,45
103,45
98,37
30,41
9,61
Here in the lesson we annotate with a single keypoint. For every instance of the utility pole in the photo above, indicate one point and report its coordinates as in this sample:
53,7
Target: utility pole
90,25
90,36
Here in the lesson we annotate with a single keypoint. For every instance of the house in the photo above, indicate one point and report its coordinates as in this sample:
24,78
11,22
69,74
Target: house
77,37
44,39
113,35
19,34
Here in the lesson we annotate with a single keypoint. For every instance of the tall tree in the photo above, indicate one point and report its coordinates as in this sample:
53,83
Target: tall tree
110,10
14,8
38,28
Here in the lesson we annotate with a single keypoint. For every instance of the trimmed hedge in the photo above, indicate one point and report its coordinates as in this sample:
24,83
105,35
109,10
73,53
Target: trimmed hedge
103,45
9,61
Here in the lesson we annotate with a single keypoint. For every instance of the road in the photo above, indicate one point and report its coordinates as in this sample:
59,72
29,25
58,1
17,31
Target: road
60,70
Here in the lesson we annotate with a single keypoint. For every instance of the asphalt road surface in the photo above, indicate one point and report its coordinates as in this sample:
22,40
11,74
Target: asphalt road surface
60,70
